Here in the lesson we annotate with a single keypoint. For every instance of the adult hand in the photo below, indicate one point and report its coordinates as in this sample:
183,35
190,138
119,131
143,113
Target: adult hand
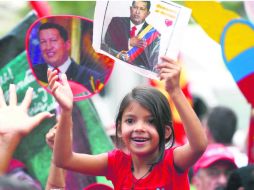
50,137
136,42
123,56
14,118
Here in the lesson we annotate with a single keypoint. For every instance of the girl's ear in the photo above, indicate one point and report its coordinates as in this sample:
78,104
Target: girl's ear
168,132
119,130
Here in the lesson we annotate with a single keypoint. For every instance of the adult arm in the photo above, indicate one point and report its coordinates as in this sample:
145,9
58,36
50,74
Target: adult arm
56,177
186,155
15,123
8,144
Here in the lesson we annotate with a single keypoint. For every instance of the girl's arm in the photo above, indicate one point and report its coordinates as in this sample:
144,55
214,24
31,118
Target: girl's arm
186,155
63,155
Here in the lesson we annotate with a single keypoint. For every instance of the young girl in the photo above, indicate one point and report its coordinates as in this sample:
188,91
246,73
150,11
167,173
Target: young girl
143,127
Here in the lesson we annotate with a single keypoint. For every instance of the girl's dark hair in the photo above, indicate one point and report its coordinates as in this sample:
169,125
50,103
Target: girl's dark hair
154,101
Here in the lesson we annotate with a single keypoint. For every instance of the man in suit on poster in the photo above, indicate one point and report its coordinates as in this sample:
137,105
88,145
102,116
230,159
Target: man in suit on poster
132,39
55,47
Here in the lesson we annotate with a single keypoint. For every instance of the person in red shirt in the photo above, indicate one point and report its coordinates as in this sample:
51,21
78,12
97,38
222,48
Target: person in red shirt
143,128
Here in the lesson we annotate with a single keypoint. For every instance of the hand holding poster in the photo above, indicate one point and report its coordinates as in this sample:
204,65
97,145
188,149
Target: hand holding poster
138,32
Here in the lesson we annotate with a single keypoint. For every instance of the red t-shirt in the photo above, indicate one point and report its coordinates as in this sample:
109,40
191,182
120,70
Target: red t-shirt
163,176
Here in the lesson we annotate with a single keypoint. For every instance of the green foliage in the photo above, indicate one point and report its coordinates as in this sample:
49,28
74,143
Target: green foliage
236,6
80,8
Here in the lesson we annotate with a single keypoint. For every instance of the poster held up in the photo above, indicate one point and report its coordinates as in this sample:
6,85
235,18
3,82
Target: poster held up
159,29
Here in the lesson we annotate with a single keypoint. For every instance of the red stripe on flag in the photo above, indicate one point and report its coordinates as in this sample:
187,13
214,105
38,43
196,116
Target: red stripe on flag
245,87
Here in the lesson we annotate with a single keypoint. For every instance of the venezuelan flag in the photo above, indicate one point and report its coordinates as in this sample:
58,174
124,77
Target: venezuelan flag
149,34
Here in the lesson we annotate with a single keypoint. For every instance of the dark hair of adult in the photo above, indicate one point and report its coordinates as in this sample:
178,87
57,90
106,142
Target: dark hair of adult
62,31
148,4
241,177
199,106
154,101
222,123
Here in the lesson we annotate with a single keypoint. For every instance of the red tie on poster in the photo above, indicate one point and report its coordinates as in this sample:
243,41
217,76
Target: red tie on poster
58,71
132,32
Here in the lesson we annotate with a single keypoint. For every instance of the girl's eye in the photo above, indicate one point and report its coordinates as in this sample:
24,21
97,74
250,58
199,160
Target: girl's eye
129,121
151,121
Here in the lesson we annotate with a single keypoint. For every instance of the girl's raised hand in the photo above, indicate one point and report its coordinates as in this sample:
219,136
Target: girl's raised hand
169,71
61,90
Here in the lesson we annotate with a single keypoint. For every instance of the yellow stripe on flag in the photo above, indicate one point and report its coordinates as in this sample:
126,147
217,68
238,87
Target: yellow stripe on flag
145,31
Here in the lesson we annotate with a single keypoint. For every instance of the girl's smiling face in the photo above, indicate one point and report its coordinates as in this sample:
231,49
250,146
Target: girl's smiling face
138,131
